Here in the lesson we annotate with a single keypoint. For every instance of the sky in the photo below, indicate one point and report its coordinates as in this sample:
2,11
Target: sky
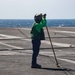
26,9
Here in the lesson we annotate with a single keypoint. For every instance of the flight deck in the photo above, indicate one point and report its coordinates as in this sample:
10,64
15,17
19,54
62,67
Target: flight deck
16,52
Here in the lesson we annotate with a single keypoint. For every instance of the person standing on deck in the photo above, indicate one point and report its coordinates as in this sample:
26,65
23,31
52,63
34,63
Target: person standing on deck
37,34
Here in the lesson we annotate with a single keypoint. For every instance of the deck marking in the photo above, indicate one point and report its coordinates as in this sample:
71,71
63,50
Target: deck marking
11,45
12,53
59,44
65,32
9,36
67,60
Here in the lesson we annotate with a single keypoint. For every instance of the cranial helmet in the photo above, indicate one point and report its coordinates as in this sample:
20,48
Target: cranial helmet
38,18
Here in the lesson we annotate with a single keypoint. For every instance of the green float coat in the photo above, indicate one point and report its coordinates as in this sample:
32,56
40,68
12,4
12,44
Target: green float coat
37,30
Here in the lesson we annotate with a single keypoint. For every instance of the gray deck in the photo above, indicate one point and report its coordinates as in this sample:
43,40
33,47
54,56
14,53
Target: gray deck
16,52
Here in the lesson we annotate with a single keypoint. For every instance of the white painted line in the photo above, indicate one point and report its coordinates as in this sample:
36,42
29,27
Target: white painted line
63,44
9,36
67,60
24,28
28,51
26,39
11,45
63,31
46,53
42,52
12,53
59,44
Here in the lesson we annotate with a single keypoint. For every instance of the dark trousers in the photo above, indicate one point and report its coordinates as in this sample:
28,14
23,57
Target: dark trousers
36,47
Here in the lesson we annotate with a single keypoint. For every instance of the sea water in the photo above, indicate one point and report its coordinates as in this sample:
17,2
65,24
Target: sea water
5,23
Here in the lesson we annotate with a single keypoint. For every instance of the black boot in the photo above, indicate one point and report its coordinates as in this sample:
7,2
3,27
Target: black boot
36,66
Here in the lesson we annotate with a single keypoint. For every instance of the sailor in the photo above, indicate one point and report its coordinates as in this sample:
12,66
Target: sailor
37,34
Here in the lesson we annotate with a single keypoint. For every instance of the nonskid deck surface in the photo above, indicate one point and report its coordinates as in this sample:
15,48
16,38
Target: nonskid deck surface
16,52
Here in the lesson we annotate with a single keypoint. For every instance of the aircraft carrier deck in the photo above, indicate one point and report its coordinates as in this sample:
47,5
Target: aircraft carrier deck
16,52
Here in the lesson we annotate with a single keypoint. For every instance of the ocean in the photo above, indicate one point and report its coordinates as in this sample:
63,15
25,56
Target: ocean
8,23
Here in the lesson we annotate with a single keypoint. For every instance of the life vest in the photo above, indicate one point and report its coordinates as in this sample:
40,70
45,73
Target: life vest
37,35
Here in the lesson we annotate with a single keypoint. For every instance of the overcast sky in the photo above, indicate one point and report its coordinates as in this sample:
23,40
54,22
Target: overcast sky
26,9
